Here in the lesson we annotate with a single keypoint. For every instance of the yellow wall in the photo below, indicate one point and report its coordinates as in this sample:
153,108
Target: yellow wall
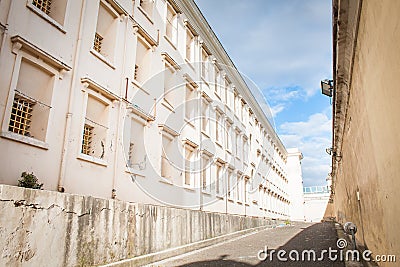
371,150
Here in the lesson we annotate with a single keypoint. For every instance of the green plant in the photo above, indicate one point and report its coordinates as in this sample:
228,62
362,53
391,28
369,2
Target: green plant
287,222
29,180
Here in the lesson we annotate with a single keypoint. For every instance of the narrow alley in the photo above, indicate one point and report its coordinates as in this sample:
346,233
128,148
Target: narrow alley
248,250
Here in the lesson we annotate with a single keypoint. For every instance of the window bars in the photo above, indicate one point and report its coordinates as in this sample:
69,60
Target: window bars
98,40
21,113
87,139
43,5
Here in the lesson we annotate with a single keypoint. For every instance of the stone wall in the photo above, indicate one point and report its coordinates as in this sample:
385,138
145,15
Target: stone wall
46,228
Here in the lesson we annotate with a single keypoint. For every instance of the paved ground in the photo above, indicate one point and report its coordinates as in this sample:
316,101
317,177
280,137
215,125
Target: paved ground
243,251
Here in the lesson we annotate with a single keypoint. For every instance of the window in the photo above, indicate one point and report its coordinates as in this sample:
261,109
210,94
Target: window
227,91
189,46
189,165
87,139
147,6
228,136
219,179
231,183
167,157
43,5
205,173
245,149
205,64
205,116
218,128
136,157
237,144
31,104
239,187
143,58
97,42
169,84
21,113
55,9
216,80
190,103
94,134
247,190
171,24
106,29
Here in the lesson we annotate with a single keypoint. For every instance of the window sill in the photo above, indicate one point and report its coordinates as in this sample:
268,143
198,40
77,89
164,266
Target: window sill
189,64
166,104
247,204
170,42
205,134
188,188
46,17
204,81
219,144
230,200
239,202
102,58
24,139
146,14
139,86
91,159
219,197
255,202
217,95
208,193
166,181
228,151
189,122
135,172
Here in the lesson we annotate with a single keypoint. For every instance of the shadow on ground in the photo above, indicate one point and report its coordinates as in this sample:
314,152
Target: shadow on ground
316,237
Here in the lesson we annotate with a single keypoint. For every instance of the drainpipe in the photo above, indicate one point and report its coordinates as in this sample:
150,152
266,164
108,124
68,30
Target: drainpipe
113,191
67,132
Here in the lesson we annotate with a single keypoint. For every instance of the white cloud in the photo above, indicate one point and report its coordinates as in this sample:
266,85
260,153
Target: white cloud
276,109
312,138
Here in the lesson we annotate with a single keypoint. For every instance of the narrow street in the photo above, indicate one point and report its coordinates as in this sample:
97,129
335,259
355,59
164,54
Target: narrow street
244,251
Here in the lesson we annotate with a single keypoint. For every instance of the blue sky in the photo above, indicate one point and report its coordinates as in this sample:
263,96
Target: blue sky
285,48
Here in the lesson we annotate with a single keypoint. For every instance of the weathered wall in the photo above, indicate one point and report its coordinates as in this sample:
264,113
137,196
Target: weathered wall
370,150
45,228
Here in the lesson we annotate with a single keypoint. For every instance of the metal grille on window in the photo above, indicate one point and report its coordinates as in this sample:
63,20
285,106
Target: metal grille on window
43,5
130,155
97,42
135,74
87,139
21,113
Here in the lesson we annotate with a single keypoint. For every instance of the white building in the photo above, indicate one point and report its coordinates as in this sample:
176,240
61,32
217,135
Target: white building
135,100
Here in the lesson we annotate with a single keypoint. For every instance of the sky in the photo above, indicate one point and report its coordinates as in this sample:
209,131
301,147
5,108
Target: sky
285,48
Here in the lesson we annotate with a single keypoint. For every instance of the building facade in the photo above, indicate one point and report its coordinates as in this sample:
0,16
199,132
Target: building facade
134,100
365,162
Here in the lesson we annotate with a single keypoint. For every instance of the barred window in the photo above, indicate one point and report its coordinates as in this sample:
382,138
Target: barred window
97,42
21,113
87,139
43,5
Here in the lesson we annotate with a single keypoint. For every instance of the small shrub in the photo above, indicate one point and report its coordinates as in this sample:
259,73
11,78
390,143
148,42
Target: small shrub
287,222
29,180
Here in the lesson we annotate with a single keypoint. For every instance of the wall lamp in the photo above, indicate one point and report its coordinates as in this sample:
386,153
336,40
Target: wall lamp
327,87
334,154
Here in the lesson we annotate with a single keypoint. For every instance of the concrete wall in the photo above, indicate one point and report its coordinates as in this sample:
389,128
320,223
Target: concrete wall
366,122
315,206
46,228
295,185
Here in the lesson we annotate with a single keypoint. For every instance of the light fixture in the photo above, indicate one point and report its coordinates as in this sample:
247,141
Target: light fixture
327,87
